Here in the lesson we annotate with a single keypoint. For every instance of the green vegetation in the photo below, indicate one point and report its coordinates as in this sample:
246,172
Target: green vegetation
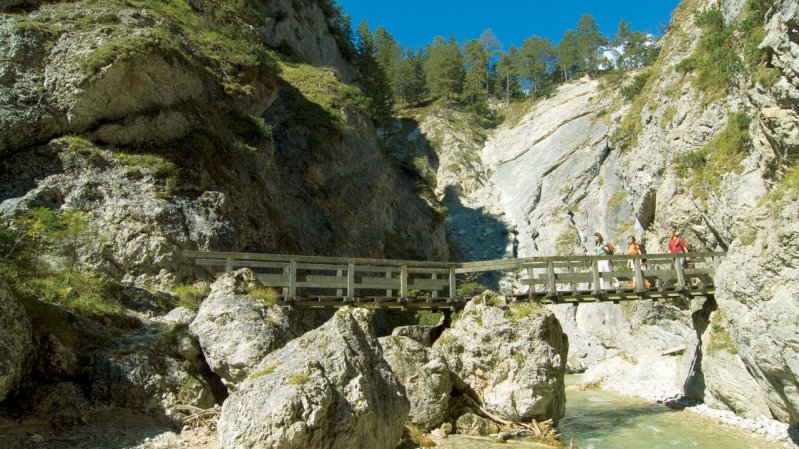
567,241
322,87
719,339
263,372
716,61
636,86
703,169
787,189
298,379
428,318
766,76
470,288
266,295
519,310
617,199
190,296
668,117
34,279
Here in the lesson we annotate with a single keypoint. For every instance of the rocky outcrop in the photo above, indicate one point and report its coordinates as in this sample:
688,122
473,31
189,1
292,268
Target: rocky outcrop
329,388
191,155
229,317
15,341
425,376
304,29
513,360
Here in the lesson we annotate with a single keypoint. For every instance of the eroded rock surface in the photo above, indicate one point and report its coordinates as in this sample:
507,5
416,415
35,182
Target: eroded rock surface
15,341
329,388
513,359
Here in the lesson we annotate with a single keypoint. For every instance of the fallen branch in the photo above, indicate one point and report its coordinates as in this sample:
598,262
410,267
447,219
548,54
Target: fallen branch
542,430
196,417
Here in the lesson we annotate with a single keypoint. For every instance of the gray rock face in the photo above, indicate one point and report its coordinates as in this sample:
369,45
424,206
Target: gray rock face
15,341
236,331
303,27
426,379
515,363
329,388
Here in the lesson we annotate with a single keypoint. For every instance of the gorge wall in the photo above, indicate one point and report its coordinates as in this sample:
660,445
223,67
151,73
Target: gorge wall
124,110
585,160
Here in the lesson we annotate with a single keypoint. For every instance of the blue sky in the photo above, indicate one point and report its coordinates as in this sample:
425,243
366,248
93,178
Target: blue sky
417,22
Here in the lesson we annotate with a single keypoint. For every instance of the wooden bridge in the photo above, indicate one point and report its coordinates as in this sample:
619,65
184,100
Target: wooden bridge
330,282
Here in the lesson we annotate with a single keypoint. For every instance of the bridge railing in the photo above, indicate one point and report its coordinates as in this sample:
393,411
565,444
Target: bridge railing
630,276
340,277
550,278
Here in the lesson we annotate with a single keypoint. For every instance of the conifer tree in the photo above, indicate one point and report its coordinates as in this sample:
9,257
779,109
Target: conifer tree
444,68
507,77
373,79
475,86
589,44
535,61
568,53
389,55
411,87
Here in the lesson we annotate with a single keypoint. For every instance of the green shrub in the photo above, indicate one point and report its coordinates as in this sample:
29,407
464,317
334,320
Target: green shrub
766,76
636,86
703,169
190,296
266,295
719,339
470,288
519,310
428,318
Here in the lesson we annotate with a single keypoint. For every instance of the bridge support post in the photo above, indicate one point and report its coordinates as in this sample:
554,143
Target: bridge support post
552,290
452,289
350,281
678,267
639,276
595,276
228,265
404,282
293,279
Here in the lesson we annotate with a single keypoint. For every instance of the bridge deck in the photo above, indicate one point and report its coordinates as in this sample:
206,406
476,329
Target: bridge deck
330,282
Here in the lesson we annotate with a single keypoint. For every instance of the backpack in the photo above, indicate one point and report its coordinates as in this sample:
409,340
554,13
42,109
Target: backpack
609,248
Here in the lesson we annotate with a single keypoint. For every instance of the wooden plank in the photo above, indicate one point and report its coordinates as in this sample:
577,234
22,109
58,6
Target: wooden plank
428,284
190,254
680,275
292,279
551,272
376,280
319,266
403,281
595,276
452,284
351,280
428,270
323,284
273,280
382,284
639,276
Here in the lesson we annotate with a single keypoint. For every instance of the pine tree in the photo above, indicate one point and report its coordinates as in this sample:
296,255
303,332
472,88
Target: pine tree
411,87
475,86
507,76
535,61
568,53
373,79
589,44
389,55
444,68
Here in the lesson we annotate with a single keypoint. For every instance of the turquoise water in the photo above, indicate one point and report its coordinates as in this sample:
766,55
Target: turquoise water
605,420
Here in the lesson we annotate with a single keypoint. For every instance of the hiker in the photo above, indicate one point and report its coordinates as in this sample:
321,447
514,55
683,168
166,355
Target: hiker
676,242
634,248
603,264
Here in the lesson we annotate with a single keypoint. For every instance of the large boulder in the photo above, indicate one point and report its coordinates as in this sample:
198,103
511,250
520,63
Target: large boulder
236,330
512,357
15,341
426,378
329,388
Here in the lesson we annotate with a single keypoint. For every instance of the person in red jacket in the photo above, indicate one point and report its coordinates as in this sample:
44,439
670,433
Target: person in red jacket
676,242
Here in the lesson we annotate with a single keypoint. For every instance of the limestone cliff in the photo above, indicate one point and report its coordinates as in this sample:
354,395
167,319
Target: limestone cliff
178,127
714,157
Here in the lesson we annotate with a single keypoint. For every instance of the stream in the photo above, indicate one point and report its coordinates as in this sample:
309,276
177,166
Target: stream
598,419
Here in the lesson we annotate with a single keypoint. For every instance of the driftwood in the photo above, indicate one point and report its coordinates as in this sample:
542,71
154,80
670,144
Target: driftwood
196,417
541,430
